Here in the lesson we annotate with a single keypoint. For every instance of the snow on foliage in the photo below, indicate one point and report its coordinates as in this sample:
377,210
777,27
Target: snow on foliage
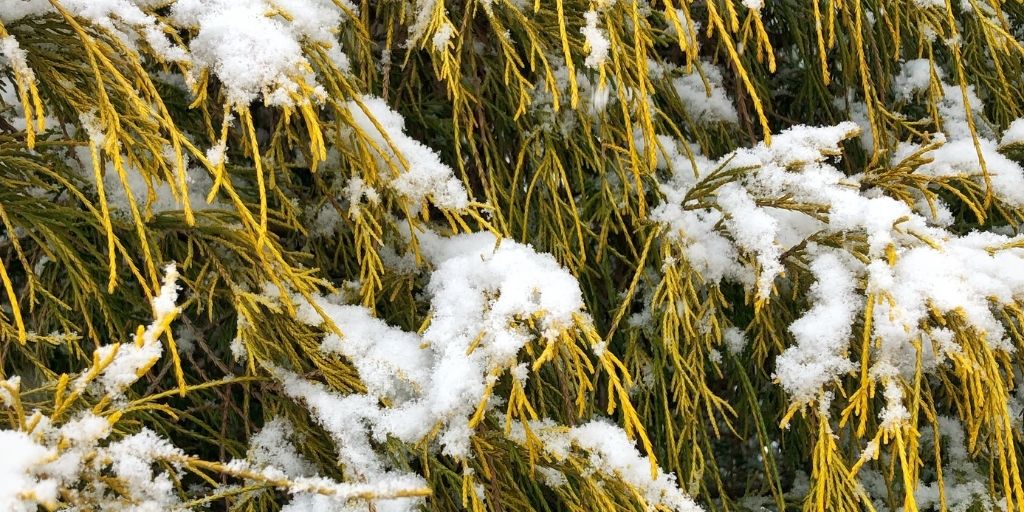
419,171
610,453
482,290
909,265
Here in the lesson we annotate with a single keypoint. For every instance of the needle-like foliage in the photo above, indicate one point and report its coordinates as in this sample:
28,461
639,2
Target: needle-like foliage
672,255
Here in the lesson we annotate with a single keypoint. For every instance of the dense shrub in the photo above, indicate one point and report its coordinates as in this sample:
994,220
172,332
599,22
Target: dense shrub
507,255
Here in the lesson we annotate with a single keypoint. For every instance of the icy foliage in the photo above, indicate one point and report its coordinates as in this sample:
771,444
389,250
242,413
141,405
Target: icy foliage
125,363
255,47
417,170
963,153
481,291
254,52
610,453
910,264
47,459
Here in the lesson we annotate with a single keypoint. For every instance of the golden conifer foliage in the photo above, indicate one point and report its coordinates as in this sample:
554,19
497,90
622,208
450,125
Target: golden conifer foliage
770,252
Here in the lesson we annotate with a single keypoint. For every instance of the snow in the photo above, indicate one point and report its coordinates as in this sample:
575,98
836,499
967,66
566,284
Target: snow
14,10
960,158
480,290
964,486
272,446
705,102
16,57
356,190
968,274
1014,133
129,361
21,485
753,230
423,11
916,76
250,52
610,452
596,41
132,459
152,195
426,176
822,333
442,36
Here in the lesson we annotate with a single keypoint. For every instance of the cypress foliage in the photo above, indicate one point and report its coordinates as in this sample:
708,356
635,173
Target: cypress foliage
265,255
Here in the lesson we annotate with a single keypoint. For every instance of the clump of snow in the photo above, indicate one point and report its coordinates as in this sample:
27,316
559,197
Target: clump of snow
426,176
16,57
255,52
49,462
610,452
272,446
705,101
14,10
960,158
596,41
963,152
919,75
443,36
129,361
1014,133
22,486
125,19
356,190
822,333
480,291
423,12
